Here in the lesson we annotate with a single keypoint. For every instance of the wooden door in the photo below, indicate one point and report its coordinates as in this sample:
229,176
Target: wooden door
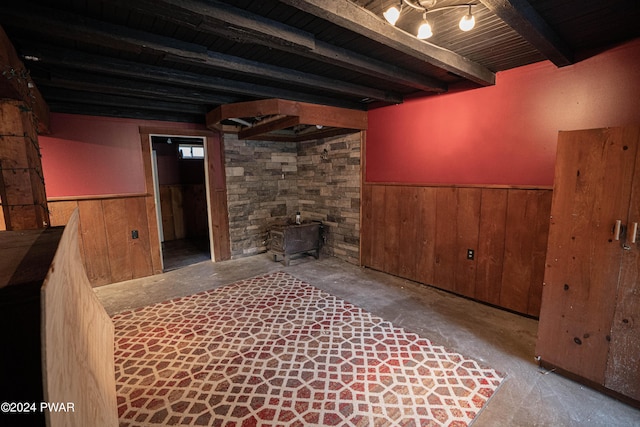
592,189
623,370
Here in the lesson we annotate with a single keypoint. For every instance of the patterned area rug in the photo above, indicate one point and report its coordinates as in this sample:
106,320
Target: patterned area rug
275,351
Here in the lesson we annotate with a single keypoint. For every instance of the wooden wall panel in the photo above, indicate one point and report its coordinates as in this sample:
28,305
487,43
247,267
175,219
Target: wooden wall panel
539,238
423,233
117,231
490,254
166,207
366,225
525,246
467,216
60,211
177,209
378,227
408,245
426,234
446,232
139,249
108,250
194,211
94,242
392,201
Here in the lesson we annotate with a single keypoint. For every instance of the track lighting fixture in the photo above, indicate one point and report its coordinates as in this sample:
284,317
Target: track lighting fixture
467,22
392,14
424,30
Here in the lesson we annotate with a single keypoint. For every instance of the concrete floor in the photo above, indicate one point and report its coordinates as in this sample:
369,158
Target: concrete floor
505,341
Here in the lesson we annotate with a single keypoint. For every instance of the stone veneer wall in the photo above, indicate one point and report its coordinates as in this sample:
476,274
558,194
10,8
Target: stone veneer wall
267,182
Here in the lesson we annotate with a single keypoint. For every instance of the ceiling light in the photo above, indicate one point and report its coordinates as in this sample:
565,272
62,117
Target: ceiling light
425,30
392,14
468,21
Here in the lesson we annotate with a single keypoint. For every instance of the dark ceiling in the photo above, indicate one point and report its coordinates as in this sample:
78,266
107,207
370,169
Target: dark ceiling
178,59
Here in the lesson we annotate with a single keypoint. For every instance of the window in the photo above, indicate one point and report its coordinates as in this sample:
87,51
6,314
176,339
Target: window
191,151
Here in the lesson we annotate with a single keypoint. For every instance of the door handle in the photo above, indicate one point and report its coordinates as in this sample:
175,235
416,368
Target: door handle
617,229
634,232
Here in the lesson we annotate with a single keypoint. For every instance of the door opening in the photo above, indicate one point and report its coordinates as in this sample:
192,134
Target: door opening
181,199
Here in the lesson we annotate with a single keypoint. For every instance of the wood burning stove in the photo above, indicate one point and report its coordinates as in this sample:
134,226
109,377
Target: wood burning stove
291,239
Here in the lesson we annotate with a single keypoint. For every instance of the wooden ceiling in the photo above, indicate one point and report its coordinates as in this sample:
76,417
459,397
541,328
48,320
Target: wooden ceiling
180,59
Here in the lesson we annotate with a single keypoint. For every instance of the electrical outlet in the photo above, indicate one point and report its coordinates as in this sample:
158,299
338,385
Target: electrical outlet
134,234
471,254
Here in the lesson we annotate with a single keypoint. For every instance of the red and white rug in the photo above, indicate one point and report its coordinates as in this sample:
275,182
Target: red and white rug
275,351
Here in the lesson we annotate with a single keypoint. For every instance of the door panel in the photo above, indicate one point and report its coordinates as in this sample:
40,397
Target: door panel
594,172
623,368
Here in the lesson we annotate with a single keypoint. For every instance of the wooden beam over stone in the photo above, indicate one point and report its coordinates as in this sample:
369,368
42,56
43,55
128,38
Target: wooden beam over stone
281,114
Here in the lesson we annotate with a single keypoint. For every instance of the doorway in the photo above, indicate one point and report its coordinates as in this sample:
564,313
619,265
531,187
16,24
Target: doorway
181,199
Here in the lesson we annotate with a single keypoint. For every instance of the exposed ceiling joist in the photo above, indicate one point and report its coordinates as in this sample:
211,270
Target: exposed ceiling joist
52,23
349,15
225,21
172,59
115,100
524,19
222,20
100,65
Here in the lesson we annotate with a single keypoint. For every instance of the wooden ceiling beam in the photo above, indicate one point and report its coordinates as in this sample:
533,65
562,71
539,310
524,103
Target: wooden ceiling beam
523,18
52,23
221,19
359,20
114,100
116,86
74,60
241,26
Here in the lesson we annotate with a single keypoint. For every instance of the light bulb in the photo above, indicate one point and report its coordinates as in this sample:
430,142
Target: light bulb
391,15
424,32
467,22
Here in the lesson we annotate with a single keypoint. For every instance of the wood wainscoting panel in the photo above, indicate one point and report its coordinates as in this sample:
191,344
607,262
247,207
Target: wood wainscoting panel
527,228
139,249
117,231
490,254
467,217
378,228
446,232
60,211
107,245
94,242
423,233
392,249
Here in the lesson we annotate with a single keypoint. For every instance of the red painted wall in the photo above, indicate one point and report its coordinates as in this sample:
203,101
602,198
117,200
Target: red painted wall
89,156
504,134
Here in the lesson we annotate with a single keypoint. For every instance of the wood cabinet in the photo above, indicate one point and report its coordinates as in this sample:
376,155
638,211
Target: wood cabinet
590,315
